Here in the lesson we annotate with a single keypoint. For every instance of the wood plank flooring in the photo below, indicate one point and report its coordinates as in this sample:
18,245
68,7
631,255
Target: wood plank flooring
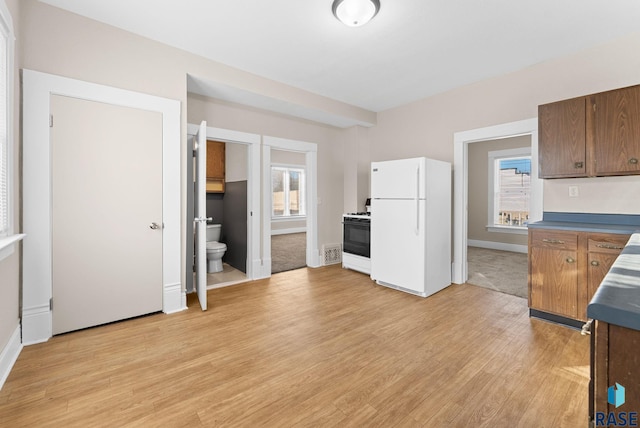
313,347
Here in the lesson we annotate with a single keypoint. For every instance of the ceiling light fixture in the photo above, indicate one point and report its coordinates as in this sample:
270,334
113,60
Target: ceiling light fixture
355,13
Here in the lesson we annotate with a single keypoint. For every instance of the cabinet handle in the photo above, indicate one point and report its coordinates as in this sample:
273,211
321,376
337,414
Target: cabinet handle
552,241
578,165
609,246
570,260
633,161
595,263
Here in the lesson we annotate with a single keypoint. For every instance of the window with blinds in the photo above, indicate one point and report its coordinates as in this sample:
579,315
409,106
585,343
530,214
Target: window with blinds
509,190
6,52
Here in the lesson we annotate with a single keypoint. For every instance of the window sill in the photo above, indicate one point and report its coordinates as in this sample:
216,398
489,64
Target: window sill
289,218
7,245
518,230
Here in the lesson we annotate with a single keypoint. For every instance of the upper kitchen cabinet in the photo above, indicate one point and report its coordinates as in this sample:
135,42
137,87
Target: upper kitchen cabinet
617,131
215,166
594,135
562,139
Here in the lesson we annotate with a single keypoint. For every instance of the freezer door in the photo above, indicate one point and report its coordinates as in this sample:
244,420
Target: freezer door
398,243
398,179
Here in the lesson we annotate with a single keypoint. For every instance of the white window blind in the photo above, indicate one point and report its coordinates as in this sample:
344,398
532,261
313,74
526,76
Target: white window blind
509,190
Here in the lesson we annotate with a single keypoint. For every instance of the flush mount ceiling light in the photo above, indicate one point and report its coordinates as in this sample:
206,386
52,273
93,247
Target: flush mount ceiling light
355,13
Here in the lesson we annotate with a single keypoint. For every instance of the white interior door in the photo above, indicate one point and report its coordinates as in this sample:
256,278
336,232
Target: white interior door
106,213
201,214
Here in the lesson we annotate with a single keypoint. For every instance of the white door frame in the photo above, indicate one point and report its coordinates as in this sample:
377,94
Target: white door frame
37,198
461,141
253,189
310,151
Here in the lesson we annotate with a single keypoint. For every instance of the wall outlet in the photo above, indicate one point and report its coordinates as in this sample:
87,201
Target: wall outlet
574,192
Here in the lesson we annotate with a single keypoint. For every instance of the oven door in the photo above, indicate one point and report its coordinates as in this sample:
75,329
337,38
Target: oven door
356,236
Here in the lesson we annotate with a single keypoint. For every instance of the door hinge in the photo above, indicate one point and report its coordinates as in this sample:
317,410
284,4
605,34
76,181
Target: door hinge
594,107
51,304
50,121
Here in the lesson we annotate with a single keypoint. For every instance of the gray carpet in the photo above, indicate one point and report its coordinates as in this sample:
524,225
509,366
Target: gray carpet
502,271
288,252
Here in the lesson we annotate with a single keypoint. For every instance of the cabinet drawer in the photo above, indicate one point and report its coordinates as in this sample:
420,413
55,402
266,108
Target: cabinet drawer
607,243
561,240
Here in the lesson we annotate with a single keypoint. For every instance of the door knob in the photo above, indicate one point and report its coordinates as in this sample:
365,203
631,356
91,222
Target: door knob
595,263
154,226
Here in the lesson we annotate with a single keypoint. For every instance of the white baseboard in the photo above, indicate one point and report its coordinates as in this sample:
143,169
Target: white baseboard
313,259
288,231
36,324
262,269
516,248
174,298
9,355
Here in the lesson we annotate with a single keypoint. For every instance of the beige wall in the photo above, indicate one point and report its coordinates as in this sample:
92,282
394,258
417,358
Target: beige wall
235,158
426,127
479,189
10,267
286,157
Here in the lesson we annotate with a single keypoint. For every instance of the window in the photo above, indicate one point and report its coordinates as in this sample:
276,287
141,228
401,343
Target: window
509,189
287,191
6,134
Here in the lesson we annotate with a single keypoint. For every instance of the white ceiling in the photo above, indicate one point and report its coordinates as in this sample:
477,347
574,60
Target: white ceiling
412,49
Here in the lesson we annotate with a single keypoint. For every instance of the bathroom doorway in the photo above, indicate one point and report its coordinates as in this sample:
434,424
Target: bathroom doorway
236,208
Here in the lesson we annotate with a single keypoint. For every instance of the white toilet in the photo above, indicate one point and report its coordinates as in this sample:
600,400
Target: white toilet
215,249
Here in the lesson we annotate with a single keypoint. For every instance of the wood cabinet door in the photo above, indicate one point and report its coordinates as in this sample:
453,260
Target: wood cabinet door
599,265
215,159
562,139
554,281
617,132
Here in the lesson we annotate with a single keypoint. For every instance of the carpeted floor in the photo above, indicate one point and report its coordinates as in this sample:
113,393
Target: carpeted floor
502,271
288,252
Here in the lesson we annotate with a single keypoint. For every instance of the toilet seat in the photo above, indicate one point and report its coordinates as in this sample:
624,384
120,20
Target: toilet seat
216,246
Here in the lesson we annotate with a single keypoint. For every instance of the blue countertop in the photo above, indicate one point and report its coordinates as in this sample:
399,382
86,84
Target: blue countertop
583,222
617,300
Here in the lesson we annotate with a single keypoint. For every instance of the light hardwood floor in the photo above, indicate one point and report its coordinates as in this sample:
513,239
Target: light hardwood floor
311,347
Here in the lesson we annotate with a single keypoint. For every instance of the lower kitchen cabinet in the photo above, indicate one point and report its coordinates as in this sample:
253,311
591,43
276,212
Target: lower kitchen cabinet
615,362
565,269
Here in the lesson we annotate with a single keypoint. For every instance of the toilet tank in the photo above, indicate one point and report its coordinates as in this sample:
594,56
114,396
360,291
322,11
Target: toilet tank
213,232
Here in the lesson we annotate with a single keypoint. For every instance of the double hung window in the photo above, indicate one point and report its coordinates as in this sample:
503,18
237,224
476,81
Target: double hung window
287,192
509,189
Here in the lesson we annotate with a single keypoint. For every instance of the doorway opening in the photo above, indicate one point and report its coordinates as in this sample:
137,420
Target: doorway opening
236,209
288,210
298,150
462,140
499,182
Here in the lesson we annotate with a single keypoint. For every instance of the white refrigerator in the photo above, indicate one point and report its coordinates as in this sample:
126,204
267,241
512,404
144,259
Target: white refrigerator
411,225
